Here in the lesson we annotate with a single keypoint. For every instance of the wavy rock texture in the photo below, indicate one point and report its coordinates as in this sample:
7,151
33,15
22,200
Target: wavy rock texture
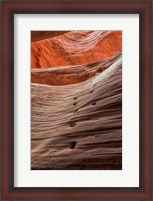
78,126
70,74
75,48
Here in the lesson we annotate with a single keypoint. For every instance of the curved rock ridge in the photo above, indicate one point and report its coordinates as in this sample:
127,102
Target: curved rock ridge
80,42
70,74
75,48
78,126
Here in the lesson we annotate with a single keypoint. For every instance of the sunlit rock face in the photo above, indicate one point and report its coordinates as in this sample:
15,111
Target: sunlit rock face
75,48
76,100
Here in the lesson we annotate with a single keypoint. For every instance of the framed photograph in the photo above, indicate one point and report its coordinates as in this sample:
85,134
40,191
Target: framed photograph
76,100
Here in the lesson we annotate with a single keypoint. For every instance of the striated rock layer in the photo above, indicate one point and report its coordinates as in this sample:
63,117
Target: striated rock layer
79,126
70,74
75,48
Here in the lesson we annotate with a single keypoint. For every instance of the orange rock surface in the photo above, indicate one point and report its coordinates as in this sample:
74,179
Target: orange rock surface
66,75
49,53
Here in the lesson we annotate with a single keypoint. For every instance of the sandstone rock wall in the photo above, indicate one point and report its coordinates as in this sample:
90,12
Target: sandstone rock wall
79,126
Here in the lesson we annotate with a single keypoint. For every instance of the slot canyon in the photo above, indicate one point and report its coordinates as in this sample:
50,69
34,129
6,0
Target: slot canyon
76,100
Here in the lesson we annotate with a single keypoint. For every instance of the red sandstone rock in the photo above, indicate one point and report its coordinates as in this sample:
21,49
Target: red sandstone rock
70,74
52,52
